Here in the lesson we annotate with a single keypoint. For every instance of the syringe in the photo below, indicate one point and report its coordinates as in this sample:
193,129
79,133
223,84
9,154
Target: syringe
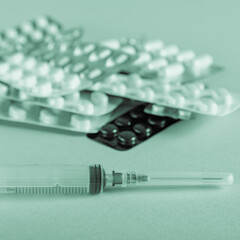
80,179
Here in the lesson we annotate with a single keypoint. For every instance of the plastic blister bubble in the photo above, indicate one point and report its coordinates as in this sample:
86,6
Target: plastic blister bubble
13,110
166,62
195,97
130,129
80,102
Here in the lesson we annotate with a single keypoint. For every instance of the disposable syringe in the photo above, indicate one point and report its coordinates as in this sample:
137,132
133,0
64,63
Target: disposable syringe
80,179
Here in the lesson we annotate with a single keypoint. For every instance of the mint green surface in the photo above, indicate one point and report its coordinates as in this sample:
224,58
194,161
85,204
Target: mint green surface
204,144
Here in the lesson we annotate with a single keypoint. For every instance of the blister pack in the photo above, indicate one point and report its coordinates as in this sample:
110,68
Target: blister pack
194,97
13,110
80,102
131,129
175,113
39,30
165,62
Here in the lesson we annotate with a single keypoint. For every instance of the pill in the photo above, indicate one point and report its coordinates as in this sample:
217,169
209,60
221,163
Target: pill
109,131
95,73
120,88
11,33
135,81
179,99
52,29
142,130
16,74
17,112
43,69
111,43
16,59
110,62
104,54
123,121
129,49
22,95
153,45
72,81
29,63
48,117
4,68
211,105
121,59
81,123
174,71
29,81
137,114
57,75
77,51
89,48
224,96
143,57
127,138
57,102
43,89
186,56
36,36
169,51
85,107
157,122
77,67
201,64
149,93
26,27
99,99
42,21
3,90
63,61
74,97
156,64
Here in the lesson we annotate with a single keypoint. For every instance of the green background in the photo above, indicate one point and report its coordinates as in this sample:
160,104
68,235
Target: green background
204,144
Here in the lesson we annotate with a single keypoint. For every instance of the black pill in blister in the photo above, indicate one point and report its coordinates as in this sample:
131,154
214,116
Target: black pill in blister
157,122
127,138
142,130
123,121
109,131
137,114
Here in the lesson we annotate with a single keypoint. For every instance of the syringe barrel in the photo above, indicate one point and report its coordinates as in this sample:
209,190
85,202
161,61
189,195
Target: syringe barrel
52,179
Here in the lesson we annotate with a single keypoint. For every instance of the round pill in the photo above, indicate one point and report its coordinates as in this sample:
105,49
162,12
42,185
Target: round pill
26,27
16,74
174,71
157,122
43,69
224,96
109,131
81,123
110,62
22,95
212,106
72,81
169,51
123,121
153,45
29,81
57,102
11,33
71,98
156,64
57,75
137,114
135,81
127,138
85,107
201,64
17,112
43,88
29,63
16,59
42,21
99,99
48,117
36,36
142,130
149,93
52,29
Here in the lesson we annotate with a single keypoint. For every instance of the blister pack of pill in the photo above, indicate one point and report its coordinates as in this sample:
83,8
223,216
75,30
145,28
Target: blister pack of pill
80,102
131,129
175,113
13,110
194,97
165,62
39,30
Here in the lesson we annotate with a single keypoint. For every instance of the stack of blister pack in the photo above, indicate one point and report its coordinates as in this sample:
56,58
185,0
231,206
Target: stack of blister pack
120,92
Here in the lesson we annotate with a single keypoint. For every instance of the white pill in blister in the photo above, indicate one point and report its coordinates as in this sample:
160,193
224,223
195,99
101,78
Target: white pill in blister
201,64
53,29
72,81
105,53
42,21
80,122
224,96
77,67
129,49
149,93
57,75
186,56
174,71
111,43
85,107
29,81
110,62
16,59
4,68
179,99
212,106
43,88
99,98
95,73
37,35
153,45
169,51
48,117
29,63
89,48
120,88
77,51
11,33
26,27
57,102
121,59
72,98
3,90
134,81
143,57
17,112
21,39
43,69
157,64
16,74
63,61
